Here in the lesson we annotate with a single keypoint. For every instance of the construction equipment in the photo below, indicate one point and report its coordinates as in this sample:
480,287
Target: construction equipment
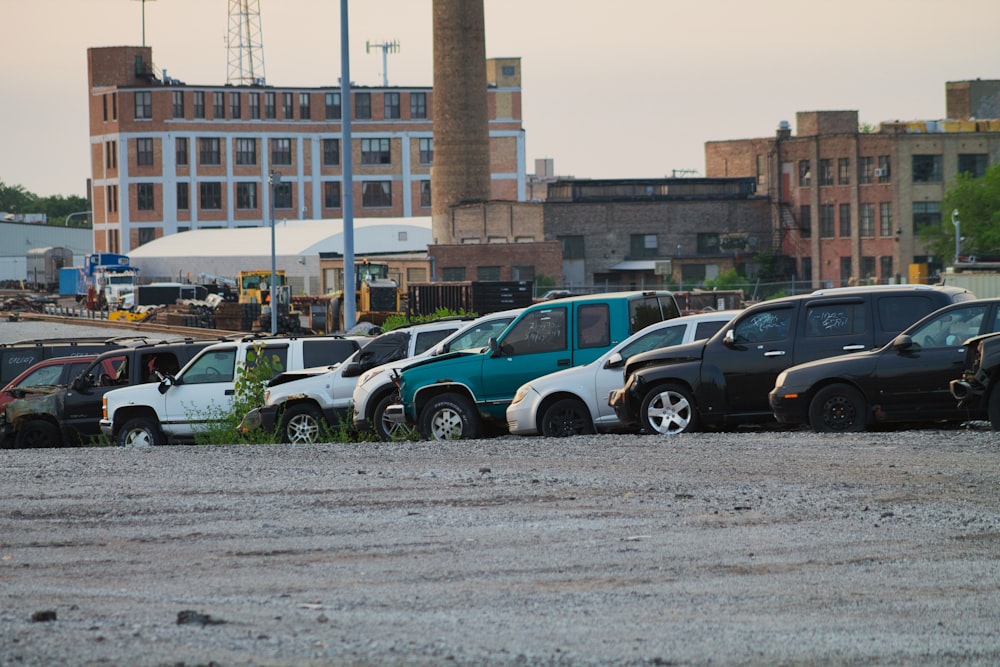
255,301
377,296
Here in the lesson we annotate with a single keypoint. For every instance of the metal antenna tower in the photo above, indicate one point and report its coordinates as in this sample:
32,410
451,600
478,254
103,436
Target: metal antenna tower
144,20
245,44
387,48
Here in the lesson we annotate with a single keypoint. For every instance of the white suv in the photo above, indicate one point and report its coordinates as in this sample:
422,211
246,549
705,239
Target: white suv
172,410
376,389
300,405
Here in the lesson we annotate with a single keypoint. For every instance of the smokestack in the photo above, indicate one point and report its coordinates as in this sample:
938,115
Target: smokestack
461,170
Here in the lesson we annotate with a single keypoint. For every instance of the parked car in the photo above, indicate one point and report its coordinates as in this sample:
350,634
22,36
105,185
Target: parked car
54,371
301,404
70,415
457,395
173,410
375,389
905,381
976,388
21,355
726,379
574,401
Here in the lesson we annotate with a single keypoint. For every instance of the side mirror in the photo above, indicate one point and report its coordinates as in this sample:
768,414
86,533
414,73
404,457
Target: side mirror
730,338
439,349
614,361
84,382
902,343
166,383
494,347
352,370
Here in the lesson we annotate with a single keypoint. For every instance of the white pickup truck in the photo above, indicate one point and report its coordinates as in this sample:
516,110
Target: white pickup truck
172,410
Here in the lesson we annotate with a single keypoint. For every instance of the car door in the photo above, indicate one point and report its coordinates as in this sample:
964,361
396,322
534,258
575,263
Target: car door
202,393
81,413
536,345
913,383
760,347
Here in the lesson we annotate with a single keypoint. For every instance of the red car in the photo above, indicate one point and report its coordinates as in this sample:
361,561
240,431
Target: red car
48,372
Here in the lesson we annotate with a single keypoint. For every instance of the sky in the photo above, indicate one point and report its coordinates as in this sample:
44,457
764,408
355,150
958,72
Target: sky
626,89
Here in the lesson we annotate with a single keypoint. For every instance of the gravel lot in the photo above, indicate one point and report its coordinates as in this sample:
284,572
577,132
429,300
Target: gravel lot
748,547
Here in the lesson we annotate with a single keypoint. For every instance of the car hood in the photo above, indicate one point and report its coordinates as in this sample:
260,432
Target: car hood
663,356
292,376
853,364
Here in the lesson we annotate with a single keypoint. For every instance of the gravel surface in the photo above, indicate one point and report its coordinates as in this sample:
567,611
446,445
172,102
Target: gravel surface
747,547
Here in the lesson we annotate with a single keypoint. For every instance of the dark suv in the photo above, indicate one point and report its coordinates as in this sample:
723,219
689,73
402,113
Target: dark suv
976,387
726,379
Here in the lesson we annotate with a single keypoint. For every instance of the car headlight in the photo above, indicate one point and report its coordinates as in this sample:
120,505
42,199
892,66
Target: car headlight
368,375
522,392
780,381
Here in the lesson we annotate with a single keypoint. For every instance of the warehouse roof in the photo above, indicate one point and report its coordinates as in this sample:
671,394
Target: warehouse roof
294,237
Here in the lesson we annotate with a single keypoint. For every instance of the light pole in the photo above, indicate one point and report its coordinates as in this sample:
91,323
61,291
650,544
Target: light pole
66,220
274,180
958,233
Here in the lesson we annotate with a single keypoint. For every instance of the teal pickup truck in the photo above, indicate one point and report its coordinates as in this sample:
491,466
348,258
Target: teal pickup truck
456,395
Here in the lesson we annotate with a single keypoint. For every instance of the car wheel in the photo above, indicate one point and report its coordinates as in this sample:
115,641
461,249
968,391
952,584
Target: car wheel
669,410
567,416
449,417
140,432
302,425
387,429
838,408
993,409
38,433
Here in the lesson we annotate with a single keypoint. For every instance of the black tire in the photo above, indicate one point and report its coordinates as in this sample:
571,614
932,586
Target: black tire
302,424
386,429
140,432
993,409
449,416
565,417
669,410
838,408
38,433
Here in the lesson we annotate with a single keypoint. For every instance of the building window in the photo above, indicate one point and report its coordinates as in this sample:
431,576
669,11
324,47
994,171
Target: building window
926,214
183,196
643,245
805,174
843,171
426,151
305,106
111,155
181,150
269,110
885,267
209,152
376,194
143,105
235,110
144,196
708,243
199,104
826,172
146,234
453,274
390,105
927,169
288,113
112,194
522,272
254,103
178,104
845,271
572,247
246,195
488,273
218,105
866,170
363,105
973,164
761,173
375,151
332,101
210,196
868,270
331,194
283,195
866,222
805,221
425,194
331,152
883,173
418,105
845,221
104,101
807,269
416,275
885,219
246,151
281,151
114,106
144,152
826,221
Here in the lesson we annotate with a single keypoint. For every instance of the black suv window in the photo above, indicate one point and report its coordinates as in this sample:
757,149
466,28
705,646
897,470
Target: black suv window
767,325
896,313
835,319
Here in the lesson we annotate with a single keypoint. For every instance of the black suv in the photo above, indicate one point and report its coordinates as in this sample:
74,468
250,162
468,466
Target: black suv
905,382
976,388
726,379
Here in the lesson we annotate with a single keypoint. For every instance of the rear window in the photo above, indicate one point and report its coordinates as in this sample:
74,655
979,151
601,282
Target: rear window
650,310
428,339
326,351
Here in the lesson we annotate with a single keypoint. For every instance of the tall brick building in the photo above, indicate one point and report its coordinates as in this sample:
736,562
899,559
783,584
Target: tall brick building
846,204
167,156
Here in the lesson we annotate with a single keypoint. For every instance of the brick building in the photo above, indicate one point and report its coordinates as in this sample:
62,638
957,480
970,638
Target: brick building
167,156
846,202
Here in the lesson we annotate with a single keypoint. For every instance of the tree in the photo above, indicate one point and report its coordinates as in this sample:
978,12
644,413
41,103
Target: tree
15,199
978,203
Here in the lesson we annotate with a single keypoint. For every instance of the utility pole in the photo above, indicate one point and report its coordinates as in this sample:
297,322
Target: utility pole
144,20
